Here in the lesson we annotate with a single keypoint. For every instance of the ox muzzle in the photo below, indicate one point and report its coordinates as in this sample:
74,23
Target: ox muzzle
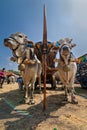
65,50
8,42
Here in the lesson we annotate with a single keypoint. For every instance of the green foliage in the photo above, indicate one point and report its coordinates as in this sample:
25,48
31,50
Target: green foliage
15,72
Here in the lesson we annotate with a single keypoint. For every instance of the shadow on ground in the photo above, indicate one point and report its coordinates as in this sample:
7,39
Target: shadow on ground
15,120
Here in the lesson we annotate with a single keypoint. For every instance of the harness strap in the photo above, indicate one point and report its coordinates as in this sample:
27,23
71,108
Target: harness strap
27,51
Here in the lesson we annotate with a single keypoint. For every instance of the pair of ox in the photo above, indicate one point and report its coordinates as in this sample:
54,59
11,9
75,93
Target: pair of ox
67,68
29,65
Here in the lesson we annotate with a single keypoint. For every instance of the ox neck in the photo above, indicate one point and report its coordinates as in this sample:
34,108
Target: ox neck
19,51
66,60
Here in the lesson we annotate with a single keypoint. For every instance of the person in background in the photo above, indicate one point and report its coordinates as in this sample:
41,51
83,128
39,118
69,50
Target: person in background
2,76
20,83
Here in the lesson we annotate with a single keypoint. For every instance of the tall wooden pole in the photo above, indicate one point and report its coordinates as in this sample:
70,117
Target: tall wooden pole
44,56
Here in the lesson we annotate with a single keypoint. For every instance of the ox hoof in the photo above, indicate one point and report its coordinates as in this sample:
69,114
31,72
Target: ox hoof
74,101
31,102
66,99
26,100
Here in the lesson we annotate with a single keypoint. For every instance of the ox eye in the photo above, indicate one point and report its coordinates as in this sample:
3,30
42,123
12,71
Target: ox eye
20,36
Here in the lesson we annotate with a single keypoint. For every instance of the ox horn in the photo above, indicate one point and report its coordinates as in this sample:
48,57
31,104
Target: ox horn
68,40
73,45
61,41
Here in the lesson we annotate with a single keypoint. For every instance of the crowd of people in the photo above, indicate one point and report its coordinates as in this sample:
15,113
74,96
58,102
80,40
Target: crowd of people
8,79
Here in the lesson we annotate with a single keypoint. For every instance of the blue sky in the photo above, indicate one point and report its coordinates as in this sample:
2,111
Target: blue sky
65,18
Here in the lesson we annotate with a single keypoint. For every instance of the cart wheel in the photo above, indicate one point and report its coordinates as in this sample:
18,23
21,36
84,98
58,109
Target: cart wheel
53,84
83,82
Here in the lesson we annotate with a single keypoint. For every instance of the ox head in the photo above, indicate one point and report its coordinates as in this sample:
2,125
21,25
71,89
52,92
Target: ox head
15,40
65,47
17,43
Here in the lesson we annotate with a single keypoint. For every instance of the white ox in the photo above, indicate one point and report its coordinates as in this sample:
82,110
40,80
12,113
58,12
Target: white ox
29,65
67,68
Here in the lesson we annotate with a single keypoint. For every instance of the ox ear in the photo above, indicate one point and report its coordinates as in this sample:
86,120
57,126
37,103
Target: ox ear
37,45
30,42
55,46
72,45
50,46
14,59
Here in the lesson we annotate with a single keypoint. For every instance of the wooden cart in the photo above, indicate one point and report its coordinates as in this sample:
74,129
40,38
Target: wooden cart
81,75
50,56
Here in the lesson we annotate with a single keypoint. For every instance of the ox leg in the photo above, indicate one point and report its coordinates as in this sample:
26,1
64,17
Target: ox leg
26,94
39,80
73,98
66,94
31,94
54,81
65,83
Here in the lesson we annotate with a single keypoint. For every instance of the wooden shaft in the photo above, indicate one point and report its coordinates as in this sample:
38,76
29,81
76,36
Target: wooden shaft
44,57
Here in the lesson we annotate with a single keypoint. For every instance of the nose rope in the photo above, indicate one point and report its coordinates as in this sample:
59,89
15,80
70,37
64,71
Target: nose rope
14,50
15,40
61,55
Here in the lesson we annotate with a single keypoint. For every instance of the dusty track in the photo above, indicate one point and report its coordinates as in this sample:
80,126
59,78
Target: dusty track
15,115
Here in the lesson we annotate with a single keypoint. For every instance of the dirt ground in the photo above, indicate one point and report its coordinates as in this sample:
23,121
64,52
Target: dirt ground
59,115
